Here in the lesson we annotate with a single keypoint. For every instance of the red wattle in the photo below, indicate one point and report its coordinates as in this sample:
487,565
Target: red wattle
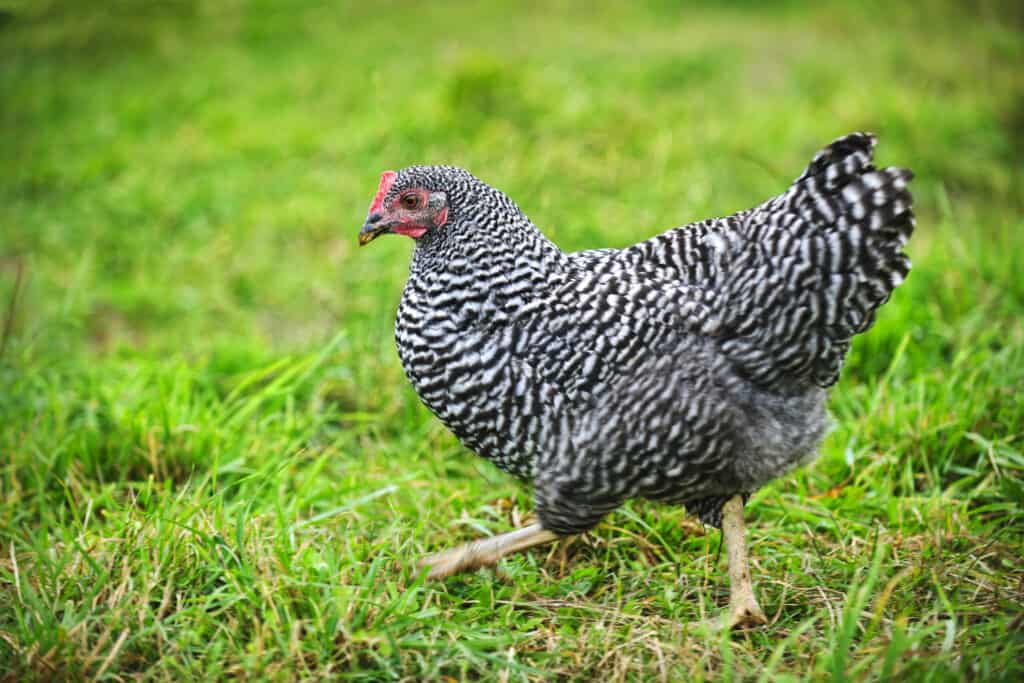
412,230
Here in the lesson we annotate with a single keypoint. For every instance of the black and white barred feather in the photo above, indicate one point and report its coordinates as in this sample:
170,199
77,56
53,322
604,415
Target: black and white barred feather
687,368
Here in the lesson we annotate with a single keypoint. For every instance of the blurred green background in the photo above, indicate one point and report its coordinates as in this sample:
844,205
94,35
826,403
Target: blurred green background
198,361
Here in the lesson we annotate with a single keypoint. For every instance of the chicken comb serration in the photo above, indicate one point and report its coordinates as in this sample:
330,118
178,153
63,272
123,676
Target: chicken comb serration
387,179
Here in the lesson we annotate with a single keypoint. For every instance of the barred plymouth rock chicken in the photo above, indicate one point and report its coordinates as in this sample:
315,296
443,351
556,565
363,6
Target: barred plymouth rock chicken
690,368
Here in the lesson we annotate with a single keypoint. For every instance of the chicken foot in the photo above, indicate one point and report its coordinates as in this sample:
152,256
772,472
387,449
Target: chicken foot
485,552
743,608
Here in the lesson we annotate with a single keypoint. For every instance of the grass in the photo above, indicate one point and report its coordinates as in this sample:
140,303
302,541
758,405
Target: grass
213,466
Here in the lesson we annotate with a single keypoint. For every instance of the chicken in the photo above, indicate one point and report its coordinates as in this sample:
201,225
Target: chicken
690,368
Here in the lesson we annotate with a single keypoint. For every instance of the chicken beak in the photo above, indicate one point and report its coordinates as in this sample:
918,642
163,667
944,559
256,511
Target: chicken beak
372,229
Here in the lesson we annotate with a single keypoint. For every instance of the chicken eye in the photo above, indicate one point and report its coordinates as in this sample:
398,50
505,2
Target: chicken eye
410,201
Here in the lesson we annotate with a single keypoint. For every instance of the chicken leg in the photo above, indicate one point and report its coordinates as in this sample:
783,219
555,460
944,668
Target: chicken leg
743,608
486,552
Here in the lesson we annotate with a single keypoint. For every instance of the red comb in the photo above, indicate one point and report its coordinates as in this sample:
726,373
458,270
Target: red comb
387,179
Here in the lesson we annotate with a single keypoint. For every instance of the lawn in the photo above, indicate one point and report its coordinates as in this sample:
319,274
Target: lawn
211,463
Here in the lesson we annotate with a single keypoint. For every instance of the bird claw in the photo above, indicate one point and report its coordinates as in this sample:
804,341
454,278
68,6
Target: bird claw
464,558
744,614
486,552
739,616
